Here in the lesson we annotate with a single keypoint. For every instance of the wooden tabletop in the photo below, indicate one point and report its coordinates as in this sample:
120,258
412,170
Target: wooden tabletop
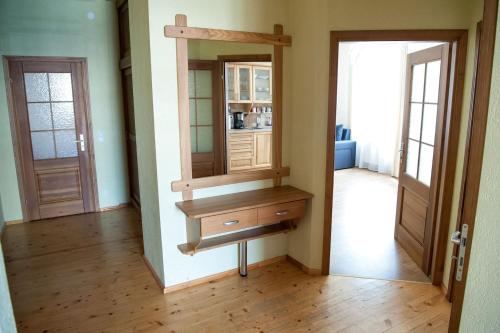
198,208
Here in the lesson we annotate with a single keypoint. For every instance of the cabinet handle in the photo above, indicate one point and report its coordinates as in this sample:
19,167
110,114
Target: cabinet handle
282,213
228,223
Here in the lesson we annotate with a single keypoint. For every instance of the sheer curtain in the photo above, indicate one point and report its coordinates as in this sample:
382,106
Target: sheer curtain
371,93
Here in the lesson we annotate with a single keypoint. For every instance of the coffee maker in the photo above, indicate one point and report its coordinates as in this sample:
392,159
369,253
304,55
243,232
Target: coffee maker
238,120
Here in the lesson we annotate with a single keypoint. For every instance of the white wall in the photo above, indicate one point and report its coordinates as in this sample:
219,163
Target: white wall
7,321
481,308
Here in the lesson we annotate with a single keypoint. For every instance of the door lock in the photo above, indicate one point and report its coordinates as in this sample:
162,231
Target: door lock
82,142
460,238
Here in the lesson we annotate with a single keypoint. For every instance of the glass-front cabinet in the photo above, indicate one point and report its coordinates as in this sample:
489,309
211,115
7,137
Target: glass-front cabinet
231,88
244,84
262,87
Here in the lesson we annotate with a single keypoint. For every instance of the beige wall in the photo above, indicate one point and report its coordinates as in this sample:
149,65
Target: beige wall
305,106
311,22
481,308
145,134
256,15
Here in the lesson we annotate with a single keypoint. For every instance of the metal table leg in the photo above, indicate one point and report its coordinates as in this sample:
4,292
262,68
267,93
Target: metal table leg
242,253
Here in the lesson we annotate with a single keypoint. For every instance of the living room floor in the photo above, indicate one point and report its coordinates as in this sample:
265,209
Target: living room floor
363,244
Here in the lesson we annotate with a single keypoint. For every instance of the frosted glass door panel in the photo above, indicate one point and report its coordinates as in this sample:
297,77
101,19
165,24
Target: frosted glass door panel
51,115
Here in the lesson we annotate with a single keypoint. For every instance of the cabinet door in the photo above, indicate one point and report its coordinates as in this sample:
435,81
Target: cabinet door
231,87
263,150
244,84
262,87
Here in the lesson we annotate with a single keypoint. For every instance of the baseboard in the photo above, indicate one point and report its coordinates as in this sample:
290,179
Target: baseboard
210,278
120,206
302,267
12,222
444,290
159,282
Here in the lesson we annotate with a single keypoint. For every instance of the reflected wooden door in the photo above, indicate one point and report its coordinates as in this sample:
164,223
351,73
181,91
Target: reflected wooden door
205,120
51,126
421,150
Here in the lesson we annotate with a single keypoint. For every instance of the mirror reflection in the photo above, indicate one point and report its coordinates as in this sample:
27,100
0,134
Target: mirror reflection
230,104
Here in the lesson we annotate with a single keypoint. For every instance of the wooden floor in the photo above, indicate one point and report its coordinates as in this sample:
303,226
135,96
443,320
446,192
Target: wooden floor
363,244
86,274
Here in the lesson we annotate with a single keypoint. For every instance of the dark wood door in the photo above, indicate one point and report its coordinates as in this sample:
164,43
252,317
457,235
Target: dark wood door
422,127
52,127
128,104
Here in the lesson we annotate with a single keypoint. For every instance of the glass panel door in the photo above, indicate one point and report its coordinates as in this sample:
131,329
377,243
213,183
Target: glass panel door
231,83
262,84
423,120
200,110
244,84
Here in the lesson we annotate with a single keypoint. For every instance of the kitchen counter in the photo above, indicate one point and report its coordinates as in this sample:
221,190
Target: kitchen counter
251,130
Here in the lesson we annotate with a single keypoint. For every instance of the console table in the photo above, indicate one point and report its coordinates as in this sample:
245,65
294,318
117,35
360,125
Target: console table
236,218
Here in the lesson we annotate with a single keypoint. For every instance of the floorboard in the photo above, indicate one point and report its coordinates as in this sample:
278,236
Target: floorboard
85,274
364,213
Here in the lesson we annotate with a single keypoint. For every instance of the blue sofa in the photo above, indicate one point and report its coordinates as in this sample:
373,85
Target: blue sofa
345,148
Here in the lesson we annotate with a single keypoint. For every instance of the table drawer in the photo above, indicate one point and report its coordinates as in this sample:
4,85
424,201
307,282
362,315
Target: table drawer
218,224
281,212
244,163
243,145
240,137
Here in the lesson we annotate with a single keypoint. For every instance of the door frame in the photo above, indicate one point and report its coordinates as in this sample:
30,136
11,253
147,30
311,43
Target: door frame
476,133
458,42
15,129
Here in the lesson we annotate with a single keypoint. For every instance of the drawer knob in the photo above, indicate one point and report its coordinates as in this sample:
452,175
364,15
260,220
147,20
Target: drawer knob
228,223
282,213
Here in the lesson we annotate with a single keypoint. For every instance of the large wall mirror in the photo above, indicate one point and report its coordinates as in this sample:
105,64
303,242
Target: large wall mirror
230,106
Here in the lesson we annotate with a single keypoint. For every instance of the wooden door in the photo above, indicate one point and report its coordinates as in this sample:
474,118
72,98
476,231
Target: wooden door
263,150
52,132
128,105
422,129
207,128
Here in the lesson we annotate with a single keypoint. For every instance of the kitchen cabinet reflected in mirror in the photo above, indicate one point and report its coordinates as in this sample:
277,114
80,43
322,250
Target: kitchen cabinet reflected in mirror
231,107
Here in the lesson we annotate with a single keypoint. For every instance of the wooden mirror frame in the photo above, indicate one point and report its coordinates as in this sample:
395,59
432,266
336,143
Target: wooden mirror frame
182,33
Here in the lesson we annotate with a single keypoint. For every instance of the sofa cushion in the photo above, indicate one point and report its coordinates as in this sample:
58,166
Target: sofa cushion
338,132
346,134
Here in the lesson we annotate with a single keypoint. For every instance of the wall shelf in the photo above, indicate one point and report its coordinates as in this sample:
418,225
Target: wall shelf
239,217
236,237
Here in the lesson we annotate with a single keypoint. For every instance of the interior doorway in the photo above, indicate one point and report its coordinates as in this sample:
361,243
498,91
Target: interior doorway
374,173
388,109
52,134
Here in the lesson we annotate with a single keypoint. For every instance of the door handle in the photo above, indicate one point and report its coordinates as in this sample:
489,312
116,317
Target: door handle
455,238
82,142
229,223
282,213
